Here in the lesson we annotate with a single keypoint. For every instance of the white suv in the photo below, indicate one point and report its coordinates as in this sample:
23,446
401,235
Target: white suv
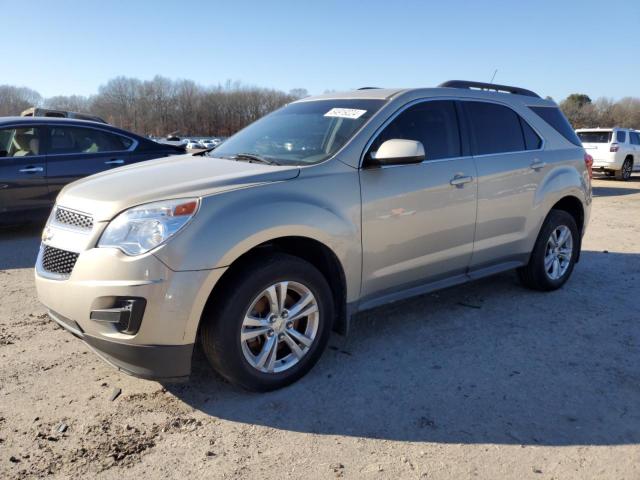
615,151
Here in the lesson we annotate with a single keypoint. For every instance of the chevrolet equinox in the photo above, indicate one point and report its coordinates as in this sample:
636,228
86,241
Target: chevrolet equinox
331,205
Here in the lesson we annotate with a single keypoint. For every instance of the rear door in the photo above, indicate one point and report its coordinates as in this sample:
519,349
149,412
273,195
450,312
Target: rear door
597,143
507,152
23,186
75,152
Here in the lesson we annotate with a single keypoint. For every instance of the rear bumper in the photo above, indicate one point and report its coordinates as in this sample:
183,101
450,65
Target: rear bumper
603,162
145,361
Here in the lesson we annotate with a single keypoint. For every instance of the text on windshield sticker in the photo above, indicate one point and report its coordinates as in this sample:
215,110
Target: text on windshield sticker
345,113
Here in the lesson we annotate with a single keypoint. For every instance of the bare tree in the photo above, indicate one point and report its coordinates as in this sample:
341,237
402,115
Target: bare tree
604,112
14,100
73,103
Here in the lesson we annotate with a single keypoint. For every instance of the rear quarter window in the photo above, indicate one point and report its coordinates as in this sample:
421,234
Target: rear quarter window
554,117
531,139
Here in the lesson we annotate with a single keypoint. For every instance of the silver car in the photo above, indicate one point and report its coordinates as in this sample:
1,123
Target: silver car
329,206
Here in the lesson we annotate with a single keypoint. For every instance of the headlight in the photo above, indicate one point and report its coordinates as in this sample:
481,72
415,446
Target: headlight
142,228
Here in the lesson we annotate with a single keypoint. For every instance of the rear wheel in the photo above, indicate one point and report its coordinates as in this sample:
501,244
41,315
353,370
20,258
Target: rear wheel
271,324
624,173
554,254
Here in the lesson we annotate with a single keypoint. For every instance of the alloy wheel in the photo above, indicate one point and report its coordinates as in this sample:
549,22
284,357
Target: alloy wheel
558,253
280,327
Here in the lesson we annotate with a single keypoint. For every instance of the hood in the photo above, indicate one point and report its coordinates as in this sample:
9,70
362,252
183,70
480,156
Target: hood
108,193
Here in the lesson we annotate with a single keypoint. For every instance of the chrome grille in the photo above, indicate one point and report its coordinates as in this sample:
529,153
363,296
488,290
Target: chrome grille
69,217
58,261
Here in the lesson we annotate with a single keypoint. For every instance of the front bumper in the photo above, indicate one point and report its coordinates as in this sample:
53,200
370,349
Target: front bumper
145,361
162,345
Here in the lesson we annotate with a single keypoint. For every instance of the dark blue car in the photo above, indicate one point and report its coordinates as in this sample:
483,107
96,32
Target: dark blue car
40,155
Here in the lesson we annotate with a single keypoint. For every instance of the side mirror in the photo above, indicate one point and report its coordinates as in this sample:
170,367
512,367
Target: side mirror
398,152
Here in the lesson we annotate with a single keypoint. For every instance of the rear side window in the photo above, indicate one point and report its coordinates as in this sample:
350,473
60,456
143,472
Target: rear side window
635,138
554,117
495,128
621,136
433,123
85,140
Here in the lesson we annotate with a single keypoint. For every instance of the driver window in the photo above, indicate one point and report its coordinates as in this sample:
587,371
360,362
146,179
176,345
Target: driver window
434,124
19,142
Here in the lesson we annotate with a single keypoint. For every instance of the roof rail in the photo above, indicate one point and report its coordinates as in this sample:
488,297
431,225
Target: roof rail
488,86
369,88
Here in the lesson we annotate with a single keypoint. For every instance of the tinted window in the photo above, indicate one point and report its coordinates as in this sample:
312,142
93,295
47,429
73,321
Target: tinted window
554,117
621,136
85,140
434,124
635,138
595,137
494,128
531,139
19,142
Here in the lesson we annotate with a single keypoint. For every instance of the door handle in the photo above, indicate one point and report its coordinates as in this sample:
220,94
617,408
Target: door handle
31,170
114,162
538,164
460,180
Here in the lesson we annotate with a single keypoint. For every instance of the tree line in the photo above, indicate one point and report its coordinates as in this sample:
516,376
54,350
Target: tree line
582,112
161,106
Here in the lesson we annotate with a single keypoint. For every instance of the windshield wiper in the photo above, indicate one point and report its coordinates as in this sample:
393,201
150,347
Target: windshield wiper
252,157
203,153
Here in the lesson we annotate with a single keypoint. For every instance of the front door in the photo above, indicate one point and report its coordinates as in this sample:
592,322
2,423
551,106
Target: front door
23,168
418,220
76,152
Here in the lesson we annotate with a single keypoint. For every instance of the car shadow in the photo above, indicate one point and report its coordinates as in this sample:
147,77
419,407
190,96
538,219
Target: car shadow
487,362
19,246
613,187
614,191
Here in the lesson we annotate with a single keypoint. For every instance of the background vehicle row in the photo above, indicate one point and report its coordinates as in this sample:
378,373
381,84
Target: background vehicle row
40,155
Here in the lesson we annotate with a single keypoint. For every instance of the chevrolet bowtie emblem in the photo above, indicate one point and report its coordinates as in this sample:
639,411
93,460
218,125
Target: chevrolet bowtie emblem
47,234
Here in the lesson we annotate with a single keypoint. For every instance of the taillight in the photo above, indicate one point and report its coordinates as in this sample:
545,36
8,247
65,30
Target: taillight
588,161
614,147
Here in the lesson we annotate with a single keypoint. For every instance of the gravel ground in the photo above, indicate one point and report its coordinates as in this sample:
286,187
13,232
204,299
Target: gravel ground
487,380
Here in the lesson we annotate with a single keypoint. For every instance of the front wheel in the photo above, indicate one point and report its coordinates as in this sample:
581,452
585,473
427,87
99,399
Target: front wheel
270,324
554,254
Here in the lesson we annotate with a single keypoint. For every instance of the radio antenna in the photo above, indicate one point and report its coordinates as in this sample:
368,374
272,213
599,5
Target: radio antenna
494,75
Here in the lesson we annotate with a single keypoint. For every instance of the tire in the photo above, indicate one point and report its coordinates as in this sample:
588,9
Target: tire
245,361
624,173
535,275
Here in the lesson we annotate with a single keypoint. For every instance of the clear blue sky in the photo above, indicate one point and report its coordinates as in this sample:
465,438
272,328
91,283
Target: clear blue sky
553,47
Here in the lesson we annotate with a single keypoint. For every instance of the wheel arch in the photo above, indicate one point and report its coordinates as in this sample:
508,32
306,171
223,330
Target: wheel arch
309,249
573,206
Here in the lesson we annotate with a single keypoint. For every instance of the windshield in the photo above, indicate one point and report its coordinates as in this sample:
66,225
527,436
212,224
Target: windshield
595,137
301,133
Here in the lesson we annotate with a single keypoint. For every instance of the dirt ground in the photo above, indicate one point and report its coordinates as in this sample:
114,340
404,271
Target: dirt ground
488,380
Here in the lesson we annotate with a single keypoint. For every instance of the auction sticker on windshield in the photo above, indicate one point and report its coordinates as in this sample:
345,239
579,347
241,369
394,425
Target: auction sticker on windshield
345,113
